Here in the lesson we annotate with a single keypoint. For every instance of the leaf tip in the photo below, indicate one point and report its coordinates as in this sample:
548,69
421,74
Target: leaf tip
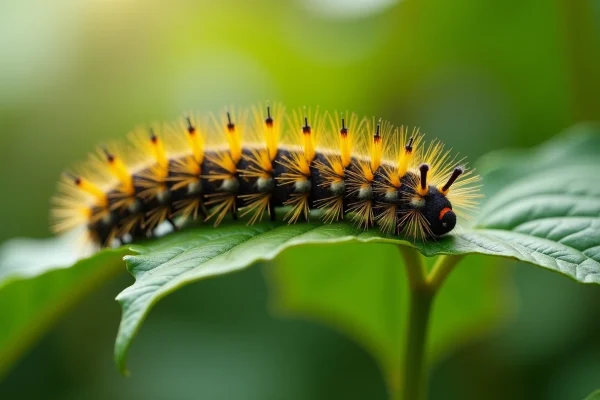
121,362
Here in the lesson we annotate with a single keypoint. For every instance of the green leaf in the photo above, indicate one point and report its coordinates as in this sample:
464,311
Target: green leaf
544,211
595,395
184,257
36,288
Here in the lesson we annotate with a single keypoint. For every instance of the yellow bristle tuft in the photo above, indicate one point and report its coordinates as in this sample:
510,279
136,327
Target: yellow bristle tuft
224,161
233,135
376,149
260,165
92,189
337,168
363,214
118,169
68,212
222,203
333,208
151,152
346,143
381,136
186,173
367,171
296,167
345,151
408,150
308,124
298,203
257,205
195,138
308,142
268,122
159,153
415,225
439,161
189,208
388,218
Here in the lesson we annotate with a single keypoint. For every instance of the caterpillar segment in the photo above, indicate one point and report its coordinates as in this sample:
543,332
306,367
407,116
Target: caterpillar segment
251,163
333,167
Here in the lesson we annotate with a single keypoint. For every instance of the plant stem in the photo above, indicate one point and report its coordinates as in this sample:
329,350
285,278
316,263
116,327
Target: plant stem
415,267
423,288
440,271
415,368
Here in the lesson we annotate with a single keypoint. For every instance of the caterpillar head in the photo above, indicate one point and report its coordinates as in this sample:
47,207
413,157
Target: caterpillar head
438,212
436,215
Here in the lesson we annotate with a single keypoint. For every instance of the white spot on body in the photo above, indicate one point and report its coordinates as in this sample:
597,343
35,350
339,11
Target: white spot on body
417,202
265,184
107,219
127,238
163,196
391,195
230,185
302,186
194,187
365,192
164,228
337,188
134,207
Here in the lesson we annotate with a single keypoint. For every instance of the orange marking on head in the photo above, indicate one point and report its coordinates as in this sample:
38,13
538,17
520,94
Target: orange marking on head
444,211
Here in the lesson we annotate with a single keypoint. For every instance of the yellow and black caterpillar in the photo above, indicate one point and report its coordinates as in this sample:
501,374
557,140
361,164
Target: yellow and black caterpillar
251,162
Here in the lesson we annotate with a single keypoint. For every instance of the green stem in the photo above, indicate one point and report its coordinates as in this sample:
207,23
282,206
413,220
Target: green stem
423,288
440,271
415,266
415,368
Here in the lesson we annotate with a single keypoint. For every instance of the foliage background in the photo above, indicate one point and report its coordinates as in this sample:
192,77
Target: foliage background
478,75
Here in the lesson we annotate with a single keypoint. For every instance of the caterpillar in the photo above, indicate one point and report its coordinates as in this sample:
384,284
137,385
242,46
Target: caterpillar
257,161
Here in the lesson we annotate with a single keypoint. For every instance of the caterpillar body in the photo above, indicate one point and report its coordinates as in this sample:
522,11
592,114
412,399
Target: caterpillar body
253,162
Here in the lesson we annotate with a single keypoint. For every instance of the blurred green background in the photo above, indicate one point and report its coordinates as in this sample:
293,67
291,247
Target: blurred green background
478,75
